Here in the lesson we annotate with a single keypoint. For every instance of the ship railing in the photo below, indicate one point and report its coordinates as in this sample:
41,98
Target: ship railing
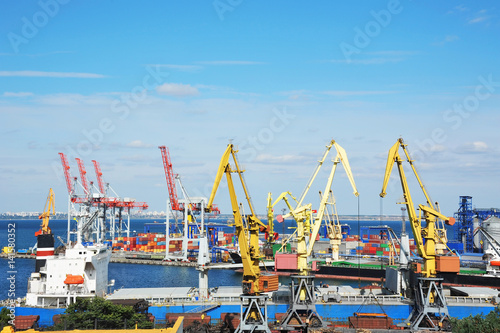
456,300
380,298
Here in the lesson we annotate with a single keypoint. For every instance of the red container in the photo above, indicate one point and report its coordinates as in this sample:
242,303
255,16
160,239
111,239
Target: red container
25,322
285,261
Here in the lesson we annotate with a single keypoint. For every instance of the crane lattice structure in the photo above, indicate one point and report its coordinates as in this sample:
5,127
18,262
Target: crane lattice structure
90,210
465,218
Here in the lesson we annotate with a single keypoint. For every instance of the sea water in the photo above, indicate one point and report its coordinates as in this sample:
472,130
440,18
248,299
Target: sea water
133,275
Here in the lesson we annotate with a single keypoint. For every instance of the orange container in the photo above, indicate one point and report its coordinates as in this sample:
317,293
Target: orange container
448,264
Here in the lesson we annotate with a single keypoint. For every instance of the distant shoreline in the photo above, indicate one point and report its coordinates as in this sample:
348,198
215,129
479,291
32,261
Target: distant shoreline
224,216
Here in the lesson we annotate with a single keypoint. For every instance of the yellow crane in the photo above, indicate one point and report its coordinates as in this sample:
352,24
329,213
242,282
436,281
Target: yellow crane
247,230
48,211
303,214
271,204
430,310
430,233
302,312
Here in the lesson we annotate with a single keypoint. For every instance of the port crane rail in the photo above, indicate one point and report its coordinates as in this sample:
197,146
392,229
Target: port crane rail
430,309
302,312
253,307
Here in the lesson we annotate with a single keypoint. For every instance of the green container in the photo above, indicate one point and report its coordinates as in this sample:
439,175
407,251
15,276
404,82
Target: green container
384,245
380,253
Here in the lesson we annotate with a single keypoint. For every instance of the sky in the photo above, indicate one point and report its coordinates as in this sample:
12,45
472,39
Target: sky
113,80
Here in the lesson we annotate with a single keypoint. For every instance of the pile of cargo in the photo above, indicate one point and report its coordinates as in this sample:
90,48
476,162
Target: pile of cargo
157,242
375,246
150,242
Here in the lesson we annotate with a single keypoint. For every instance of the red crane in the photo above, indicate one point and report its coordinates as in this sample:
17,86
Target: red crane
83,175
98,174
65,164
114,202
169,174
69,184
172,193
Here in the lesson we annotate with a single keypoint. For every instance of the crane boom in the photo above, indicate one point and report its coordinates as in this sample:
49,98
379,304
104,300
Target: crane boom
427,248
67,176
169,175
83,175
49,210
315,173
341,157
98,174
249,245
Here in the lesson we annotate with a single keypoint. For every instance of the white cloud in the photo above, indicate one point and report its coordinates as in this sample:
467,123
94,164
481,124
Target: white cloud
182,68
459,8
74,99
475,147
370,61
477,19
52,74
138,144
17,94
447,39
177,89
357,92
272,159
230,62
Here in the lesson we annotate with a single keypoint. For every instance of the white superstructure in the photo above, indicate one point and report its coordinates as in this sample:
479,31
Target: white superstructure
81,272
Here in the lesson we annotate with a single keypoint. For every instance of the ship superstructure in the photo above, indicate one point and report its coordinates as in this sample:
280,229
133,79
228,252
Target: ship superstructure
80,272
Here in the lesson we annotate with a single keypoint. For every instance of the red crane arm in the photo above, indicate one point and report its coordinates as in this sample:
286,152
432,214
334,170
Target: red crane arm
98,174
169,174
83,175
65,165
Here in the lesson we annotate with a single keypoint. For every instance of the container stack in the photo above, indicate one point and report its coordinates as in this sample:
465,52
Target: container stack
157,242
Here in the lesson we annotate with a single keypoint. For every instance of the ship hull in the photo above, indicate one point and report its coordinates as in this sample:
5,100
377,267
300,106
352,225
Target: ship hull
372,274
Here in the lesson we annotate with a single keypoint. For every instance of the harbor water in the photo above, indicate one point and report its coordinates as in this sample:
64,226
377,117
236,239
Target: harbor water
133,275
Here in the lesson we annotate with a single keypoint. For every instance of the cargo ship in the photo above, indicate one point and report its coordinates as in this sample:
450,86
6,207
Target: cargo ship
82,271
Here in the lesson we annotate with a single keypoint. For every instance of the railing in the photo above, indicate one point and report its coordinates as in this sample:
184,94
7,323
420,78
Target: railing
468,300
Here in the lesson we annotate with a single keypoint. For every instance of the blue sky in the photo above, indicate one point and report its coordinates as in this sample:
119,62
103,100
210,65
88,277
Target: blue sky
112,81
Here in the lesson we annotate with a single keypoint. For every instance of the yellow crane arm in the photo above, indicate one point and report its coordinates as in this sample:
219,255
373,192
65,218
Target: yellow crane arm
432,211
248,235
315,173
222,168
341,157
391,159
270,214
249,250
48,210
420,183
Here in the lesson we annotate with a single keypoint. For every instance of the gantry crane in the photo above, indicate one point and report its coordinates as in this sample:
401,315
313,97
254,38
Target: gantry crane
430,309
253,317
189,206
302,312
